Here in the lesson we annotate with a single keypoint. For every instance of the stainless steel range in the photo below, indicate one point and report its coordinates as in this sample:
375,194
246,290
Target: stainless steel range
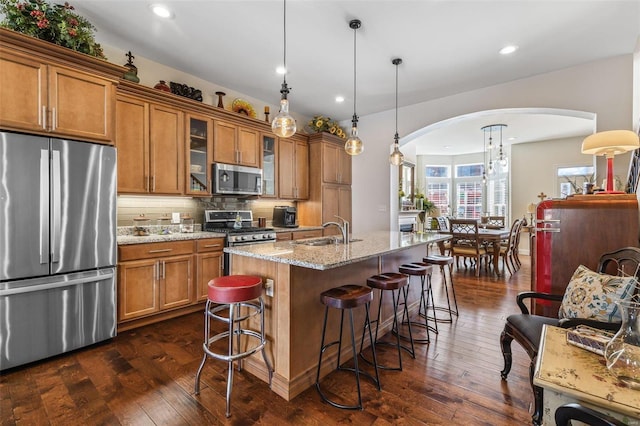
238,227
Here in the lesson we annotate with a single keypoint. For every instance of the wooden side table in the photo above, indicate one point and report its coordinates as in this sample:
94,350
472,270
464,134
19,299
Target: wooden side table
571,374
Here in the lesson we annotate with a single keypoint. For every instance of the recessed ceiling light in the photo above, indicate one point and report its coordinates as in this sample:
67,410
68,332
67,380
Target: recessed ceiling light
507,50
281,70
339,99
446,147
512,138
161,10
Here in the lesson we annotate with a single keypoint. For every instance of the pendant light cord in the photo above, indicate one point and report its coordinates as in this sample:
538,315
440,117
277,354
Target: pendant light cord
396,135
355,117
285,40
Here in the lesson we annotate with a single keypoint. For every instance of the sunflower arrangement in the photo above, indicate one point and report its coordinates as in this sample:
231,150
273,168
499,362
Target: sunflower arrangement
320,124
55,23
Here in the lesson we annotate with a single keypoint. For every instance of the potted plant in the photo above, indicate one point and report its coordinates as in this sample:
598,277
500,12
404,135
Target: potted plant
56,23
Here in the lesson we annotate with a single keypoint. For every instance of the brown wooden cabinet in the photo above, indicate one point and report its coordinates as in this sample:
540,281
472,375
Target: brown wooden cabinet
150,142
269,166
199,137
336,201
153,278
234,144
336,164
208,264
293,168
38,96
327,200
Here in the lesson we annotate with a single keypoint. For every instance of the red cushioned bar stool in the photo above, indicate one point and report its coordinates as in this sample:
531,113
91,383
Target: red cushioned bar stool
423,271
446,264
395,283
234,299
347,297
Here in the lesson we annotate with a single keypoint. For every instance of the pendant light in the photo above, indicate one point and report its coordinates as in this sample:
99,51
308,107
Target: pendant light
354,145
284,124
396,158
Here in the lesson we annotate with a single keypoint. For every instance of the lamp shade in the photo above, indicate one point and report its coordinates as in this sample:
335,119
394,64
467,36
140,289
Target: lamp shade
611,142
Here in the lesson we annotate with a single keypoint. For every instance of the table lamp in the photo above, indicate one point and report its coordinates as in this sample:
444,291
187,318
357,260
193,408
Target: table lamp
610,143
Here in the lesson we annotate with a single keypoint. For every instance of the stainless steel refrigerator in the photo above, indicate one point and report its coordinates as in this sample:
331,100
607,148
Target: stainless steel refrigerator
57,246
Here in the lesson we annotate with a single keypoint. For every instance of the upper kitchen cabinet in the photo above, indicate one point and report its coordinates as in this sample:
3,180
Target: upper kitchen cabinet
329,182
293,168
150,142
54,91
233,144
199,134
269,166
336,163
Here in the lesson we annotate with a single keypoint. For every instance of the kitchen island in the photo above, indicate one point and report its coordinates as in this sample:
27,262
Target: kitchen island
294,313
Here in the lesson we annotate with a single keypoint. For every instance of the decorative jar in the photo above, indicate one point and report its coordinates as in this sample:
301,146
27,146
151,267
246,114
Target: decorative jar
622,353
186,224
141,225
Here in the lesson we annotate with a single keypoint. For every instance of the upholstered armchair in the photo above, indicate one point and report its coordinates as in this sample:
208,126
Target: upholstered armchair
526,328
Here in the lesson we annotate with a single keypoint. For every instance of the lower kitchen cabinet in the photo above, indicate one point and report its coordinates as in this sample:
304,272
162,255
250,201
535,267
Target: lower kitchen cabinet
208,264
154,278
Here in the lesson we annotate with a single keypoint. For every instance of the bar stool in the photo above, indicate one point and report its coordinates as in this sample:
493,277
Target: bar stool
241,296
423,271
442,261
347,297
390,281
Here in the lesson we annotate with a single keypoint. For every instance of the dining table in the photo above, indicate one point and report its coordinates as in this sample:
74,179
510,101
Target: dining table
489,237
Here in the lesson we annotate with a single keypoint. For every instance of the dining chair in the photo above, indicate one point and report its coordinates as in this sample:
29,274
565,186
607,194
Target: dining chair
466,243
496,222
526,328
443,226
509,248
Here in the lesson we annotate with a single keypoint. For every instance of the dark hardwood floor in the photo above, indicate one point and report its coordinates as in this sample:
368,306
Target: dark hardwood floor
146,376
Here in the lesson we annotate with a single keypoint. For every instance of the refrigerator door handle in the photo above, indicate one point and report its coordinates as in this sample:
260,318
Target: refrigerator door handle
44,206
57,284
56,211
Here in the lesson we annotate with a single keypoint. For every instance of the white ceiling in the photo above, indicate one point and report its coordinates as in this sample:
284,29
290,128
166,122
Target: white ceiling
447,47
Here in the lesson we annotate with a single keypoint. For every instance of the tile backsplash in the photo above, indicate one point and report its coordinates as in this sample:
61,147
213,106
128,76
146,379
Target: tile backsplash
154,207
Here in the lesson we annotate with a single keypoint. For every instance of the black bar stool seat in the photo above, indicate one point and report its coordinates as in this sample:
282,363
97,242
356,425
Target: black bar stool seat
347,297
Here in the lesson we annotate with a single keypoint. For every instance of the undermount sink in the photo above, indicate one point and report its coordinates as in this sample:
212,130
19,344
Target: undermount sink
326,241
316,242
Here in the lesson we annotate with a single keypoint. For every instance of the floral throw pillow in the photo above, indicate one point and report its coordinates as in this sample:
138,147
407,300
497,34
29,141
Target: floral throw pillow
592,295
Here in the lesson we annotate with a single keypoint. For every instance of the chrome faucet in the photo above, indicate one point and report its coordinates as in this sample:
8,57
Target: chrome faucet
344,228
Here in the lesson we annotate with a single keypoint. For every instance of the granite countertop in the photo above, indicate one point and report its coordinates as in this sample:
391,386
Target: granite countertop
160,238
334,255
126,237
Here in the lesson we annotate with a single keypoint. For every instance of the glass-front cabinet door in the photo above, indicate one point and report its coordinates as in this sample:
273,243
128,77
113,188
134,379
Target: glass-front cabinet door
269,148
199,155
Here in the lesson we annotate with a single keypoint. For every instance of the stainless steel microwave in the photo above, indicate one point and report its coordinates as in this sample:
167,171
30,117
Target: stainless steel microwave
236,180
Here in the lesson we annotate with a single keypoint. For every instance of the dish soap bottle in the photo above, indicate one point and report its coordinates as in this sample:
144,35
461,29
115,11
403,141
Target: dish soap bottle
238,223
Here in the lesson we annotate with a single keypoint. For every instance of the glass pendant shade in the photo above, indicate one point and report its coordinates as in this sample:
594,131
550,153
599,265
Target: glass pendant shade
396,158
353,145
283,124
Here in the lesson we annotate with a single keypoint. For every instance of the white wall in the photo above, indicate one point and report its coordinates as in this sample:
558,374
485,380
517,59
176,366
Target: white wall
604,87
150,73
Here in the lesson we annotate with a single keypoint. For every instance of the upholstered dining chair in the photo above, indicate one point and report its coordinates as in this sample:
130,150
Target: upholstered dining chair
526,328
565,413
465,242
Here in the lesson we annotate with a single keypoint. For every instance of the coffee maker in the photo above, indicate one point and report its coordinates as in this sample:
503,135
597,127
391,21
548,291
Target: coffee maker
284,217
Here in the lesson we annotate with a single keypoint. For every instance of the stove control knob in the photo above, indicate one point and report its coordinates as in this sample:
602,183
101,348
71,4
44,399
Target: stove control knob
245,237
